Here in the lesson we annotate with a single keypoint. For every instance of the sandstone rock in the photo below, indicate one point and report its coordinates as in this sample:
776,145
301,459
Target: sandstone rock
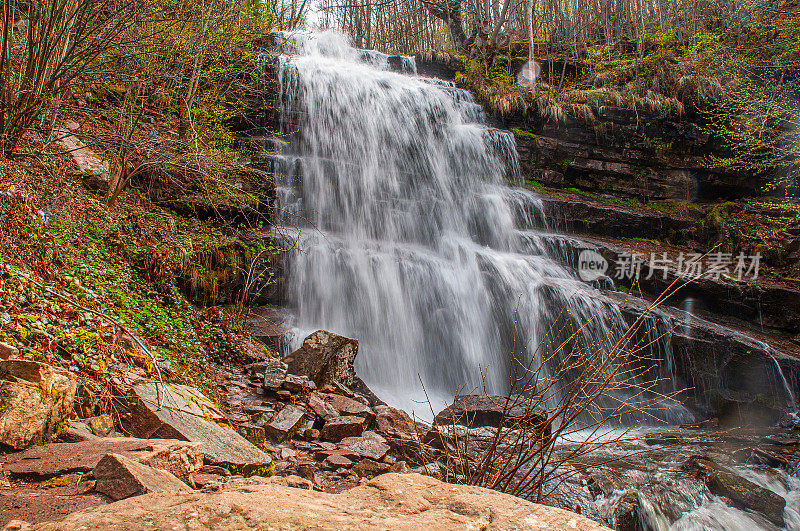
178,457
34,399
101,425
183,415
390,501
77,431
285,423
489,410
338,428
7,351
325,357
368,447
119,477
368,467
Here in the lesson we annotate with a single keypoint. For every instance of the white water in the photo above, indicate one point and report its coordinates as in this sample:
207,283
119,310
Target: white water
411,242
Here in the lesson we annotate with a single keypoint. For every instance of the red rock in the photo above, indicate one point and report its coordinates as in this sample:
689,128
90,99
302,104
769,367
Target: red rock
321,407
7,351
285,423
120,477
338,428
336,461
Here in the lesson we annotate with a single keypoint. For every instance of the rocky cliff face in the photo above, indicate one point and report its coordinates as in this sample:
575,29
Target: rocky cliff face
626,153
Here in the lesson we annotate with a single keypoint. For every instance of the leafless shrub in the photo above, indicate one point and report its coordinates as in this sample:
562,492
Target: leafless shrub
566,400
44,45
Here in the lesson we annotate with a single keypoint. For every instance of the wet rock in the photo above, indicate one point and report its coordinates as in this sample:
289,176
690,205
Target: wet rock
625,515
285,423
489,410
325,357
119,477
184,415
338,428
738,409
35,399
369,468
742,492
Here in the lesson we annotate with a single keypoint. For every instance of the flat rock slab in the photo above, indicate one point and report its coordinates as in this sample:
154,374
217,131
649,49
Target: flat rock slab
183,415
390,501
65,458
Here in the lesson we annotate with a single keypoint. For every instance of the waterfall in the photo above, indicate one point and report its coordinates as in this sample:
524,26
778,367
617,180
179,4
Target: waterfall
409,238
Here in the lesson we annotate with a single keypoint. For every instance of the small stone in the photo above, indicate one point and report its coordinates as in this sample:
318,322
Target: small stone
78,431
338,428
366,447
336,461
120,477
298,384
368,467
400,467
202,479
285,423
274,373
348,406
322,408
101,425
252,432
311,434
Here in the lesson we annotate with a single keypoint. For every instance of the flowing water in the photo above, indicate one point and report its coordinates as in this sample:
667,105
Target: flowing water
410,239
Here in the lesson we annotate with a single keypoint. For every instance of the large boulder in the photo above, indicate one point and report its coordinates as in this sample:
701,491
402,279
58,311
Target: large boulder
35,398
390,501
475,411
325,357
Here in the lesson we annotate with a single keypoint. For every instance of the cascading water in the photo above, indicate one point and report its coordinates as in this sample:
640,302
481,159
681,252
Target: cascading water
410,241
